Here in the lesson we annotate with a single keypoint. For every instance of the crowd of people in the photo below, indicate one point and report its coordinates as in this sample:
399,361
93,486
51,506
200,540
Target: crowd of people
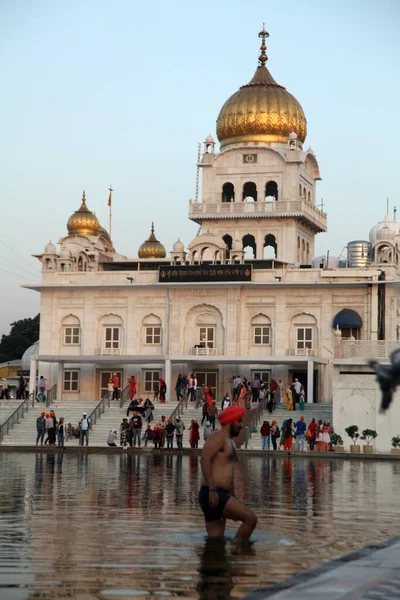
316,435
50,431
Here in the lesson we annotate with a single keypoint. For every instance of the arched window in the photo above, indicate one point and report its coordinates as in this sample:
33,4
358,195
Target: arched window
300,191
261,333
270,247
271,191
228,240
304,193
152,330
47,263
228,192
249,246
206,330
298,250
308,253
111,334
309,196
304,334
350,324
250,192
303,252
71,330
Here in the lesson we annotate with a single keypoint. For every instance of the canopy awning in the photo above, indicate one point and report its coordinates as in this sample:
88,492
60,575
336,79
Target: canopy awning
347,318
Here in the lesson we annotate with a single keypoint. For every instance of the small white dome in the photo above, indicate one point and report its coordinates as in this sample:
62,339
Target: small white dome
65,253
386,225
237,245
178,246
292,135
50,248
27,355
209,139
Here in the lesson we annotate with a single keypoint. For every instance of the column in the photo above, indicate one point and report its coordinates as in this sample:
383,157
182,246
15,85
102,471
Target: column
167,377
310,381
326,384
32,374
60,380
374,312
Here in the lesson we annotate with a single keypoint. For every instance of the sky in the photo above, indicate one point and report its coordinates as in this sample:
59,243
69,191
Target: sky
97,93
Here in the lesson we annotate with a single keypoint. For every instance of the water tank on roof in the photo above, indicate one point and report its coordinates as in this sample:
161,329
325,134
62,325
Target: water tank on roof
359,253
326,262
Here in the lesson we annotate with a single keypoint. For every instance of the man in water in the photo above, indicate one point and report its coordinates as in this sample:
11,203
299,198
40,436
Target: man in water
217,496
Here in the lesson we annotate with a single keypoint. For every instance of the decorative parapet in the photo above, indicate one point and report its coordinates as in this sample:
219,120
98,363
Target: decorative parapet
260,209
372,349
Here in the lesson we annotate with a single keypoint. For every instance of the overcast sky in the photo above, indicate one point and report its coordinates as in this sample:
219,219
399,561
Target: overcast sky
97,92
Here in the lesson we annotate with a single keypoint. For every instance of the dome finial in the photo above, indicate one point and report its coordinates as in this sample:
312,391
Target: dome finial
152,227
262,59
83,196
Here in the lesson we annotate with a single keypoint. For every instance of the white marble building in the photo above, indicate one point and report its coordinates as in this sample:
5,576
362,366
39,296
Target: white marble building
274,310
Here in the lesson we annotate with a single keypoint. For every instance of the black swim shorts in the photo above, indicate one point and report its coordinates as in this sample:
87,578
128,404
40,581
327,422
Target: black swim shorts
213,514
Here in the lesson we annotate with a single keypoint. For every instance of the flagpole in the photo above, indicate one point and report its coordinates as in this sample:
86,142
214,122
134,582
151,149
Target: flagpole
110,206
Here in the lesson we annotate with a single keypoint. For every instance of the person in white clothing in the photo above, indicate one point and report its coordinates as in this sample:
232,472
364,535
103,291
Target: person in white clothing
192,387
226,401
85,425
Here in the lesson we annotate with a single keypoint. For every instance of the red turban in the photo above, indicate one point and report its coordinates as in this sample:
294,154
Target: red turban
231,414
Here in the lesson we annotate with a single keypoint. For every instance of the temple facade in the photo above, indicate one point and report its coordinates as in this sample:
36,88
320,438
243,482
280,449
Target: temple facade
246,296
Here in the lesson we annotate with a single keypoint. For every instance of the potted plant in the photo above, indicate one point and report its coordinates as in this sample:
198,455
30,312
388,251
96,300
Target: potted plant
367,435
396,444
337,442
352,432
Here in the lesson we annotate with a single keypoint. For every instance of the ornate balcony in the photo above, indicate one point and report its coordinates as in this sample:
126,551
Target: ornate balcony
201,351
300,209
303,352
367,348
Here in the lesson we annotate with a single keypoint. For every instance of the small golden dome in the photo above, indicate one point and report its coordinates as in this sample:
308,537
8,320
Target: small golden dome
261,111
83,221
152,248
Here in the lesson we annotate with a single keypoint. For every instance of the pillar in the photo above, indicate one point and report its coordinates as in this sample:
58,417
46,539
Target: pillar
374,312
32,374
60,380
310,381
167,377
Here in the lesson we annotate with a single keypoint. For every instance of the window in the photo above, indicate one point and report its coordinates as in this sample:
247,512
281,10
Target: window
207,337
350,333
71,381
262,375
72,335
112,338
304,338
151,381
153,335
262,335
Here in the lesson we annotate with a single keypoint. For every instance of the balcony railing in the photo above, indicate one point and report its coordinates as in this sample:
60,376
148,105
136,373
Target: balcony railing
303,352
280,208
109,351
367,348
201,351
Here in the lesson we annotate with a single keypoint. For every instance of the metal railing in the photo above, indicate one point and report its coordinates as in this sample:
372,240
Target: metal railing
18,413
254,421
99,409
124,396
178,410
204,351
199,396
51,395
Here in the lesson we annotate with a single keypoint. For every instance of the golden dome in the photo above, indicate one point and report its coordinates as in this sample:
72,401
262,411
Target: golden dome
261,111
152,248
83,221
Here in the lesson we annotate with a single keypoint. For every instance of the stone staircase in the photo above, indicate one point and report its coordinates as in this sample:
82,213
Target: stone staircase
24,433
7,407
319,411
190,413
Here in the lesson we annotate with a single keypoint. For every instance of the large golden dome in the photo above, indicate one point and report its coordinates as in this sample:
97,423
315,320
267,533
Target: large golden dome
261,111
152,248
83,221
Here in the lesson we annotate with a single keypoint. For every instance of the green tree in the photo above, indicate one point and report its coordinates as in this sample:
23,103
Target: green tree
22,335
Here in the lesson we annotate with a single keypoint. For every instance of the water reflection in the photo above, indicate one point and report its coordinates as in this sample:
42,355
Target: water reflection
109,525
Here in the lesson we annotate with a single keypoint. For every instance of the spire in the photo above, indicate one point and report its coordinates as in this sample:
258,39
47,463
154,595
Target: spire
262,59
152,227
83,197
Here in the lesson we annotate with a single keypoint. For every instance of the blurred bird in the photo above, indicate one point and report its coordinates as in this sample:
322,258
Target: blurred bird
388,377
